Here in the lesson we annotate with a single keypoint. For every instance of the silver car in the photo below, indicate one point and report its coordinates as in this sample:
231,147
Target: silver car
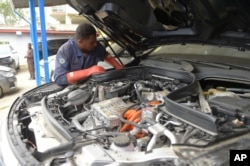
9,56
7,80
185,103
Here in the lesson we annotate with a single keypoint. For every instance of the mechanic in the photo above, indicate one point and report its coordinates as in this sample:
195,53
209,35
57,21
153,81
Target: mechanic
78,57
30,61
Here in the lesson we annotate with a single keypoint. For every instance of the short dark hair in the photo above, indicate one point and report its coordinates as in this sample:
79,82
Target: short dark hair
84,30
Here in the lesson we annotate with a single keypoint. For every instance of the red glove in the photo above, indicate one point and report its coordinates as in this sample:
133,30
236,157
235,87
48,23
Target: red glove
111,60
80,74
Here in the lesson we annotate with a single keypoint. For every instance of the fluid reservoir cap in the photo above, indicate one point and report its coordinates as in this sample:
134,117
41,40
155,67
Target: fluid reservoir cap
122,141
221,88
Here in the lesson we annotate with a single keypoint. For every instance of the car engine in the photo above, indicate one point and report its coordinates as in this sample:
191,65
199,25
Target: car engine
133,117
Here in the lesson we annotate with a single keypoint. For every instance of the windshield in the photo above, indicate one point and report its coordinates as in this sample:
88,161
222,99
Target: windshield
202,54
4,49
202,50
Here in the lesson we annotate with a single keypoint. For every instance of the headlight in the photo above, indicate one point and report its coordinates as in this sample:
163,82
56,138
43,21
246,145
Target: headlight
6,74
8,60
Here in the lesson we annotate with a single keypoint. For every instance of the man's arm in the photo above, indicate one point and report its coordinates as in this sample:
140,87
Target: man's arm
61,68
112,61
63,73
75,76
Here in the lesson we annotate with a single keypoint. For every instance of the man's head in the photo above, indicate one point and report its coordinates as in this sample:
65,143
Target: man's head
29,45
86,37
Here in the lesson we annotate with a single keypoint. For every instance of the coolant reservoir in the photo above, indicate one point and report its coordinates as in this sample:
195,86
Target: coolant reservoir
122,143
220,91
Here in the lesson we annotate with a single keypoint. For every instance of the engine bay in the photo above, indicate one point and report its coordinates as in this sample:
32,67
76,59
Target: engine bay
134,116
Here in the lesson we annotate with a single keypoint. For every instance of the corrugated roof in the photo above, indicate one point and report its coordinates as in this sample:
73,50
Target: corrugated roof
25,3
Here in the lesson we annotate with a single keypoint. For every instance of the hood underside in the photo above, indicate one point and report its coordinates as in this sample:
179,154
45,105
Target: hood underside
142,24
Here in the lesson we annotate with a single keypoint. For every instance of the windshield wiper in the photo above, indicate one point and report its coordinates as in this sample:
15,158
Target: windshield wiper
236,66
216,64
223,66
219,65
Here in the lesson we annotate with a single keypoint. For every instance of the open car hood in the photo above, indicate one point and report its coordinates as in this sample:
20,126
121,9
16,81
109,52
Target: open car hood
142,24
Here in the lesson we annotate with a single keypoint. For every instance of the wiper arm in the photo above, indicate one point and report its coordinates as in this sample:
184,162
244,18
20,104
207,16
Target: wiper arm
223,66
237,66
220,65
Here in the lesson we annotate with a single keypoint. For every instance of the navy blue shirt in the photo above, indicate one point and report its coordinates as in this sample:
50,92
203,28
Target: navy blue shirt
70,58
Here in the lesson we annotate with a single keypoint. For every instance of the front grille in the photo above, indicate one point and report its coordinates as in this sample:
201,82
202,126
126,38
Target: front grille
12,85
6,61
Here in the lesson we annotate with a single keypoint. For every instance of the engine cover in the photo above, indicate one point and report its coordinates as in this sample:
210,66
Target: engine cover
110,110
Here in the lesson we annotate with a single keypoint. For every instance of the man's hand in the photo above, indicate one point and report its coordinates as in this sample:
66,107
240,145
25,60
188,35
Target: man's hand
75,76
111,60
95,70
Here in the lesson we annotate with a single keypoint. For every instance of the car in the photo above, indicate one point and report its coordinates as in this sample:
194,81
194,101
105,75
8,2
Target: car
7,80
9,56
184,102
52,46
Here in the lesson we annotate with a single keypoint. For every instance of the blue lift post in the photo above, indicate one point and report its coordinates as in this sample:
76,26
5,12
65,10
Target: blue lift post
44,41
33,29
